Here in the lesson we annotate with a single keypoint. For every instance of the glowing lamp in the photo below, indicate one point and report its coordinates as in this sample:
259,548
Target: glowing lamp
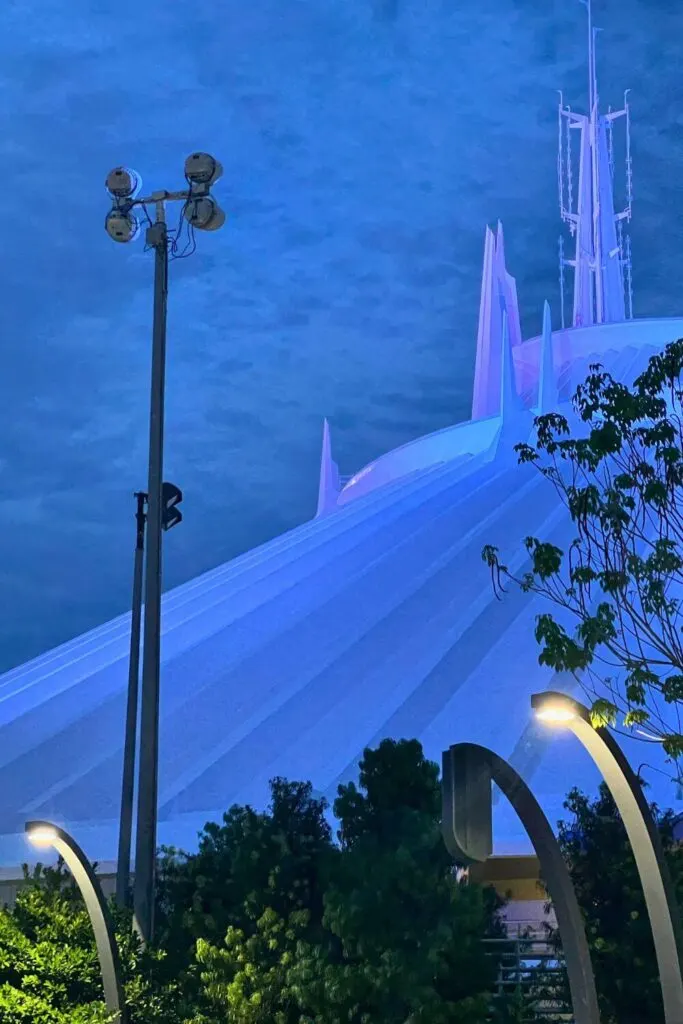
42,835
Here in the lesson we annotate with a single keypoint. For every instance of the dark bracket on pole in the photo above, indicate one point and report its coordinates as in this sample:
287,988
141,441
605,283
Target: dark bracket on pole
140,518
171,496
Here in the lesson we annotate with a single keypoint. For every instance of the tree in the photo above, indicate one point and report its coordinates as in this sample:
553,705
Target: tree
385,934
251,861
246,980
251,871
610,894
49,969
617,587
406,937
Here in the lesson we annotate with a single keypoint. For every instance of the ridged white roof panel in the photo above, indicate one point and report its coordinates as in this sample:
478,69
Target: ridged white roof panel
376,620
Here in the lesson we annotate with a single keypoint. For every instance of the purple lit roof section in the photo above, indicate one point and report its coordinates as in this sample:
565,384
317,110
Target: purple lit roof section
377,620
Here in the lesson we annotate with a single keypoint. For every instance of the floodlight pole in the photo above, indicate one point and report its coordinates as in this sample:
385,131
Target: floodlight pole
146,835
202,212
128,779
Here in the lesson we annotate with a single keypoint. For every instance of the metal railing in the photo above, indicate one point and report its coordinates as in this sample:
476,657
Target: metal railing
530,972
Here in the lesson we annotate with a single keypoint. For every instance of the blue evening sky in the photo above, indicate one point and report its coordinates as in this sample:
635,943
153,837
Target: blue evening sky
366,143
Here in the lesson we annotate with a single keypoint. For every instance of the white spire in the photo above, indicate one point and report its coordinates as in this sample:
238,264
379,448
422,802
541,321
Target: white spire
547,383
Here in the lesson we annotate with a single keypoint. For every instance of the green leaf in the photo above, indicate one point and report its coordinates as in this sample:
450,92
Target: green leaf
603,713
636,716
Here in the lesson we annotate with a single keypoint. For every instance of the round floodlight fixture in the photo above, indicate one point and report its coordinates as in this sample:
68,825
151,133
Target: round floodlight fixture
205,214
202,169
122,227
123,183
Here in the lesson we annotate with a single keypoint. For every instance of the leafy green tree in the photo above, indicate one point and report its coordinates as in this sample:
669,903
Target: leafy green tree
246,869
618,468
249,901
271,922
385,935
610,894
406,937
246,980
49,969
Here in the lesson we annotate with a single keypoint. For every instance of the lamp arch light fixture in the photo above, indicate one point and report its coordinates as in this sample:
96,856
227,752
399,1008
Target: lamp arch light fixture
45,834
563,711
468,771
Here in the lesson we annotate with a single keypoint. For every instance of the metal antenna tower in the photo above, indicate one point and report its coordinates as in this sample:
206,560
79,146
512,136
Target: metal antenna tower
602,262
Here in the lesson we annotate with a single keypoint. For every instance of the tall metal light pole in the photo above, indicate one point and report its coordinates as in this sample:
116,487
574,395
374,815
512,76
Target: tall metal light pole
201,211
171,516
128,779
44,833
627,793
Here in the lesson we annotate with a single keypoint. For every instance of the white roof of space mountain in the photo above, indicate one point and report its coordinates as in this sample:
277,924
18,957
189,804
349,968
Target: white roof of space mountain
375,619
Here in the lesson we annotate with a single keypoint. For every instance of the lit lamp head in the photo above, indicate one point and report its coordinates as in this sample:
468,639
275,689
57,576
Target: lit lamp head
554,708
40,834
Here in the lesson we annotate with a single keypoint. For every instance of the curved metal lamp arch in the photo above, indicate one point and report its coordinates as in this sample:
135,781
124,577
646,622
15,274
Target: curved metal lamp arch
643,835
468,771
44,833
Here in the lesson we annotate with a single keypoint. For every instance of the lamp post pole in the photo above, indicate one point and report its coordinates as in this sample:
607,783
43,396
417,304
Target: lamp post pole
128,779
146,833
643,835
202,212
43,833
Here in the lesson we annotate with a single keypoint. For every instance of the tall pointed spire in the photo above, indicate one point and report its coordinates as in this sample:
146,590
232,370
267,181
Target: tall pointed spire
328,489
498,295
602,253
484,371
548,393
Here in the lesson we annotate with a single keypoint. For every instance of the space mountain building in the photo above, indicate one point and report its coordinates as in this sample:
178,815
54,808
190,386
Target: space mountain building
378,617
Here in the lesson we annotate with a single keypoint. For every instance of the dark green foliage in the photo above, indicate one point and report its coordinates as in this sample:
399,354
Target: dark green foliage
617,587
397,788
271,922
254,888
406,936
49,971
610,895
399,939
246,979
250,864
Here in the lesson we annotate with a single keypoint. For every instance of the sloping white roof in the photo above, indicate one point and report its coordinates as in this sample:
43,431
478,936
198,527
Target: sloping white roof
378,619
